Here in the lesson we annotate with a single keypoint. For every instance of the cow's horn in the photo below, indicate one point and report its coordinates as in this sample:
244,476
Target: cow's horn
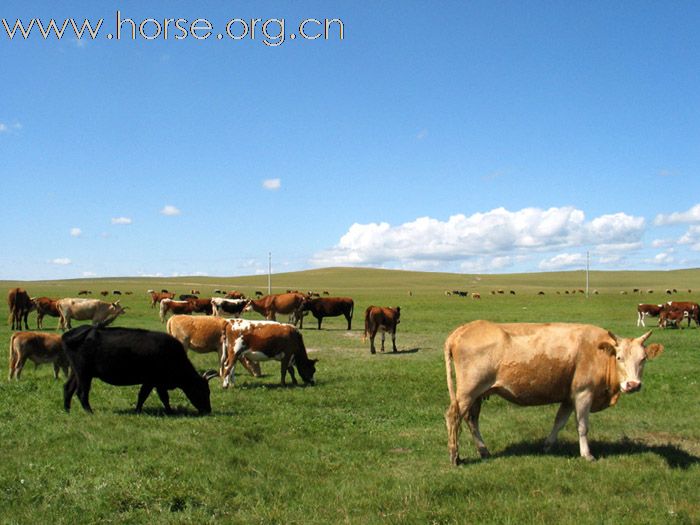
644,337
210,374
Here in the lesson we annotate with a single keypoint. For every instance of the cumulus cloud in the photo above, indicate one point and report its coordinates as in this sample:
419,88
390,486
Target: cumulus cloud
496,233
170,210
89,274
691,237
76,232
61,261
272,184
689,216
121,220
7,128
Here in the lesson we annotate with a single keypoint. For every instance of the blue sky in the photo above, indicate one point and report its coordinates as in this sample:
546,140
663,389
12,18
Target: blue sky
474,137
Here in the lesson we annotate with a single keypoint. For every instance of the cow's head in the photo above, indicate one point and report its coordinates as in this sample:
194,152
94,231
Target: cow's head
398,314
115,309
307,370
198,391
630,356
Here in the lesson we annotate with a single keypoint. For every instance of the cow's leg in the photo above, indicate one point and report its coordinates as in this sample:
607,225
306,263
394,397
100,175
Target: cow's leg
84,393
19,365
320,320
583,409
144,392
286,366
348,318
640,319
565,410
69,388
12,360
473,422
56,368
164,398
393,339
372,335
453,419
383,337
290,369
228,368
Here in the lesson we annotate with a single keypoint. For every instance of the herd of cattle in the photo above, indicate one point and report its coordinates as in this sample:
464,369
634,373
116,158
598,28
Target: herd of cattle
127,356
583,368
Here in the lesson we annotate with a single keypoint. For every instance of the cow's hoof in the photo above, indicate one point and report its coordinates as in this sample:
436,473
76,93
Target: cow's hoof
589,458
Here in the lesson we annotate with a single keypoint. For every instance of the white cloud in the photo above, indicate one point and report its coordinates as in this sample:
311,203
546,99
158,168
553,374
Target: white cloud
121,220
4,128
89,274
689,216
272,184
422,134
498,232
76,232
7,128
691,237
61,261
564,261
170,210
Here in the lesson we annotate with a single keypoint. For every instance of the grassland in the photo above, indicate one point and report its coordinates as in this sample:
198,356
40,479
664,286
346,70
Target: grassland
368,443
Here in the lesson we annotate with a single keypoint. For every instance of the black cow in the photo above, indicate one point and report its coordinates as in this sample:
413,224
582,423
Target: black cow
131,356
187,296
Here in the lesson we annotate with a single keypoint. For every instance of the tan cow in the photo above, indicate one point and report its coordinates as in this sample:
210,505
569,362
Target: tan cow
157,297
582,367
283,303
39,348
262,341
45,306
204,335
384,319
87,309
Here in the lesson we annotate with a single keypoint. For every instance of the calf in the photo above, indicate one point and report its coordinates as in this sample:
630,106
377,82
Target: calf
45,306
381,318
582,367
264,340
39,348
672,317
692,310
131,356
204,335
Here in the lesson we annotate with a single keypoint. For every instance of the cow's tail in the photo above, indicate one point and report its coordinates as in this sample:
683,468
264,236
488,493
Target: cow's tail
61,319
11,359
364,335
448,372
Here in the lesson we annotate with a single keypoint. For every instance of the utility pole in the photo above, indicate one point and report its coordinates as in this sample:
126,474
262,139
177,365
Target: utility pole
269,273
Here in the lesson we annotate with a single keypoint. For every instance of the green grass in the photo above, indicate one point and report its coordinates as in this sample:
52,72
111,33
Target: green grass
367,444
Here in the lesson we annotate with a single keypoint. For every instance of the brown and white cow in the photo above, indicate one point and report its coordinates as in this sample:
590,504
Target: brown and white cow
174,307
283,303
201,306
228,307
647,310
262,341
584,368
672,317
691,310
20,304
45,306
204,335
86,309
234,294
384,319
328,307
39,348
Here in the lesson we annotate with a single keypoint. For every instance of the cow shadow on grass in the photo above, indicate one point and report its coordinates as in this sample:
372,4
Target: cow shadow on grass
400,352
154,411
674,456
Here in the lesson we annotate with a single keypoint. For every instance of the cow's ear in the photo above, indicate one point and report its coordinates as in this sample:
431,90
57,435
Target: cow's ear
608,348
654,350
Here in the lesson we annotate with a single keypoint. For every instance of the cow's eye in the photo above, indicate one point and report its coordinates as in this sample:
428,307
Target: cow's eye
619,358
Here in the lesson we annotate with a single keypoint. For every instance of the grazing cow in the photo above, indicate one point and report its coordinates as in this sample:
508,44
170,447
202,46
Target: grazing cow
228,307
668,292
128,293
512,292
45,306
384,319
86,309
262,341
157,297
283,303
163,290
187,296
647,310
84,292
116,292
38,348
692,310
540,292
235,294
582,367
174,307
131,356
258,293
326,292
194,292
476,295
204,335
20,305
104,293
669,316
328,307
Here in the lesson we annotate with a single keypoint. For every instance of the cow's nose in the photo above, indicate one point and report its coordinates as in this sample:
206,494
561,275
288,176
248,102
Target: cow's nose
632,386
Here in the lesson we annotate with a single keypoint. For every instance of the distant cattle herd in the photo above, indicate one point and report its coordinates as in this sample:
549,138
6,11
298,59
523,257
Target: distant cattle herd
474,353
